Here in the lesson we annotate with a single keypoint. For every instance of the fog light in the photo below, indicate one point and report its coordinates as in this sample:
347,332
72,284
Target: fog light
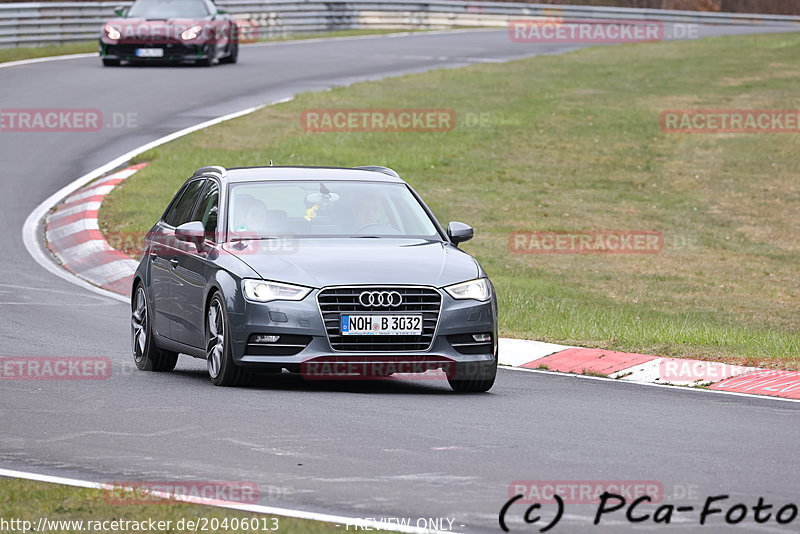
262,338
482,338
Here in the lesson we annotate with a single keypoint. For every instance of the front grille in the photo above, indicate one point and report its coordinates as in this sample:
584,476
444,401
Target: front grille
334,302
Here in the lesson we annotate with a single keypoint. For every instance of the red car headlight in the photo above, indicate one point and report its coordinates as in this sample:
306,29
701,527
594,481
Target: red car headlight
111,32
191,33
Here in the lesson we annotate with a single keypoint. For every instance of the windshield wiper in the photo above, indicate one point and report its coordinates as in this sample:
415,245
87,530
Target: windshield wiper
237,239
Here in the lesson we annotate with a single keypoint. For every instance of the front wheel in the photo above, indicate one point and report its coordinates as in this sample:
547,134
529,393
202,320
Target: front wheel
233,56
481,382
208,61
110,62
221,369
146,354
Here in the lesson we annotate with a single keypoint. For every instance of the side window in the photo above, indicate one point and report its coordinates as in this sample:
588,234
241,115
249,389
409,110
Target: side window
181,210
208,209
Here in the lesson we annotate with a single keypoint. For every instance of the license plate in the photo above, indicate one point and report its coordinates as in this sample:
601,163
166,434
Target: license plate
381,325
149,52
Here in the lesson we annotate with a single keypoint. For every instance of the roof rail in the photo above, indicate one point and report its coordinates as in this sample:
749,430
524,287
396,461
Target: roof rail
378,168
214,169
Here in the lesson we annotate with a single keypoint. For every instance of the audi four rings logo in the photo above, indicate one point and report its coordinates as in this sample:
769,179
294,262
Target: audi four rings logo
380,299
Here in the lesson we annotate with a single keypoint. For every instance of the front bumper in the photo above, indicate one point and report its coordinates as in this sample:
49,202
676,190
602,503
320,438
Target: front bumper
172,52
303,341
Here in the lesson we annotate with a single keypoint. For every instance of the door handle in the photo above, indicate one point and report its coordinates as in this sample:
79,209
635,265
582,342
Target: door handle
173,262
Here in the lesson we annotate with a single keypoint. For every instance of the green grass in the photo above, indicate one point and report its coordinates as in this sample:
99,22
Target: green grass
30,52
29,501
573,142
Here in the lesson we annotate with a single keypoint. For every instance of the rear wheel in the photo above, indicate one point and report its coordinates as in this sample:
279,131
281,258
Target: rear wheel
107,62
483,381
221,369
146,354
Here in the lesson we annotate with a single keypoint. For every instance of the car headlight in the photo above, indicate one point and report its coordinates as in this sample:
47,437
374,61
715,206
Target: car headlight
111,32
191,33
478,289
263,291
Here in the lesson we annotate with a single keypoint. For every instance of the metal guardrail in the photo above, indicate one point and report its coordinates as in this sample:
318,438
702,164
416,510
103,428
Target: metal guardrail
36,24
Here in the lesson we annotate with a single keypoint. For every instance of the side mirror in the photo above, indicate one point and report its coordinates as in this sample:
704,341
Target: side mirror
191,232
120,11
459,232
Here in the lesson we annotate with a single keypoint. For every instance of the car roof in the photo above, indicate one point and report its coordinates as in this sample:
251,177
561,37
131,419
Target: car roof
289,173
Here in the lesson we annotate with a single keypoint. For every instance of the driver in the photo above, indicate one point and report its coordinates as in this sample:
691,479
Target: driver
368,211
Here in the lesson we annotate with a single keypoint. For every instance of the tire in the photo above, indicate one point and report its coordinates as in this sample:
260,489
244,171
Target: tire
146,354
221,368
233,56
209,61
110,62
477,384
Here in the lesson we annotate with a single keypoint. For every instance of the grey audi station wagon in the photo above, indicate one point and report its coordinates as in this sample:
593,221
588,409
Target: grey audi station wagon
334,273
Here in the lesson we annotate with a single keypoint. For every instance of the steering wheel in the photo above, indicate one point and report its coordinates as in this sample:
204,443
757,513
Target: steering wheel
369,225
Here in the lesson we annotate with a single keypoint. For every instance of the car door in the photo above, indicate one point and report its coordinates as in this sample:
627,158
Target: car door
159,256
163,255
192,271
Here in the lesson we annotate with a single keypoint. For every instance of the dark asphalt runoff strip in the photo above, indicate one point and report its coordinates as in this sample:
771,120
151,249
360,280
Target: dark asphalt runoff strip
390,449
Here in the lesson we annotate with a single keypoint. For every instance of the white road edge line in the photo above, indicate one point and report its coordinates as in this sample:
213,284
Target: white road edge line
231,505
46,58
30,230
633,382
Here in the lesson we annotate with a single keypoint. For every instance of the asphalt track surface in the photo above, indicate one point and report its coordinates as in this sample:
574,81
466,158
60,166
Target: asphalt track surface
371,449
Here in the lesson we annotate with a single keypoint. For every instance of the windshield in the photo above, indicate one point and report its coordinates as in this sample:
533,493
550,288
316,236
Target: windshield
168,9
326,209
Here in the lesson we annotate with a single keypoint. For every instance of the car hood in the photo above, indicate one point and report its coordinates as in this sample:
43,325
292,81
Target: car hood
326,262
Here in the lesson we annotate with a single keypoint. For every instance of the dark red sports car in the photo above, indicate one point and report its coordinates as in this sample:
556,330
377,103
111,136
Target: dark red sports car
174,31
